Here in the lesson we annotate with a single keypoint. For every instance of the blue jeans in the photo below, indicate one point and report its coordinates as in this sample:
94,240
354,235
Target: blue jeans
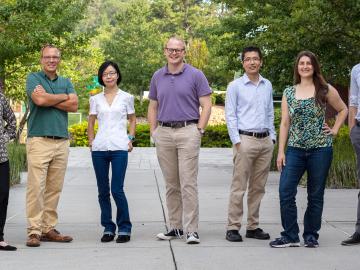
316,162
101,161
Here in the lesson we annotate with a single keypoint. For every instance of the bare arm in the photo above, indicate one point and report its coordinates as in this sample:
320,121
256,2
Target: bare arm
283,136
152,115
132,128
205,103
352,114
336,102
70,105
43,99
90,129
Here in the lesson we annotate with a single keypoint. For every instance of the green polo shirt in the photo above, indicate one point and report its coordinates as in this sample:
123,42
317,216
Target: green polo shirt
47,121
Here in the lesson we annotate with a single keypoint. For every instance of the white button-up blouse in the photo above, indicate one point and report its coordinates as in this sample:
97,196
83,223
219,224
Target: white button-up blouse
112,121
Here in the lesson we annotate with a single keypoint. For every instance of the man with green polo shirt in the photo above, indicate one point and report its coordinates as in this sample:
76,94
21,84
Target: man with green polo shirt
50,97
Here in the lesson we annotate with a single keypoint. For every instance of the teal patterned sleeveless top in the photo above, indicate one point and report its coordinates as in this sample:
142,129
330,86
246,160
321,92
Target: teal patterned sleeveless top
306,121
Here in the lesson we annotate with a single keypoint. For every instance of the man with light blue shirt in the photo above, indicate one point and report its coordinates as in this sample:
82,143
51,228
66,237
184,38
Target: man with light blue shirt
354,125
249,116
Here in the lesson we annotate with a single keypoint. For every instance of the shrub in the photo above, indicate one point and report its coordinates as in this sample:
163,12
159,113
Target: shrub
218,99
216,136
17,160
141,108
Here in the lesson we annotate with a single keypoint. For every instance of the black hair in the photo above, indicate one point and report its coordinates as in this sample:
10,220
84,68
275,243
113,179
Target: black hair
251,49
104,66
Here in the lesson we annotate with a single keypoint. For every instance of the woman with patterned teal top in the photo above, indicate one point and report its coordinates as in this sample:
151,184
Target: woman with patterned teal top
309,148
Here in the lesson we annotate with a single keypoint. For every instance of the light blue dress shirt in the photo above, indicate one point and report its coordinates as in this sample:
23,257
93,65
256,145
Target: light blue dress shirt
354,99
249,107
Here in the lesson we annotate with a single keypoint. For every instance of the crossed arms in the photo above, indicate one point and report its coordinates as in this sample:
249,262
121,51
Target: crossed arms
64,102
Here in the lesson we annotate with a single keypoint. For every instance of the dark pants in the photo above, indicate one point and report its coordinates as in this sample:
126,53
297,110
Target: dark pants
101,161
4,195
316,162
355,140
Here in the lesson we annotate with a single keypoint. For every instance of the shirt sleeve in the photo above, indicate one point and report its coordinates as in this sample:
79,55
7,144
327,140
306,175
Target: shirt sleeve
10,119
354,87
271,115
202,84
153,88
92,110
230,113
130,105
31,82
70,88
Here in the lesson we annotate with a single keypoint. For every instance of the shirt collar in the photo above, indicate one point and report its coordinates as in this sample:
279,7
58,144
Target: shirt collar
46,77
247,80
166,70
118,92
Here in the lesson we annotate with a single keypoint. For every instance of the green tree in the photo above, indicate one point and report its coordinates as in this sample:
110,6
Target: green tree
283,28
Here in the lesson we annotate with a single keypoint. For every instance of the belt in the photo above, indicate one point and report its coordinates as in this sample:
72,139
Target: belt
54,137
178,124
255,134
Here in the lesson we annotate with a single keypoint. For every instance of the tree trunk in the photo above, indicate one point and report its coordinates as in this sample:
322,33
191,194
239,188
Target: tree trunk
22,123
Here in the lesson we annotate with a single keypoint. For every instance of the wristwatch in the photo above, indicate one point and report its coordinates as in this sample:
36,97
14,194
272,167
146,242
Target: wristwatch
131,137
202,131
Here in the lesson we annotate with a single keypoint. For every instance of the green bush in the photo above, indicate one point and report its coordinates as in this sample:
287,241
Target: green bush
78,134
17,160
216,136
141,108
142,135
218,99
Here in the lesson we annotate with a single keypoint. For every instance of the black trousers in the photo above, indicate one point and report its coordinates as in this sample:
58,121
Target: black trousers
4,194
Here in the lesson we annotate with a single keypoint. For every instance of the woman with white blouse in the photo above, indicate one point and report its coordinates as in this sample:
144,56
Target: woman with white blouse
113,108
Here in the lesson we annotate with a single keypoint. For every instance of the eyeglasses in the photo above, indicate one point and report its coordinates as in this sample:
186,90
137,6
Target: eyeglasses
110,74
49,58
172,50
249,59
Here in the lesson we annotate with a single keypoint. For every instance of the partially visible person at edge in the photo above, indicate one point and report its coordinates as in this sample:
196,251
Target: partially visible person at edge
309,148
7,132
249,113
50,97
354,125
112,108
177,90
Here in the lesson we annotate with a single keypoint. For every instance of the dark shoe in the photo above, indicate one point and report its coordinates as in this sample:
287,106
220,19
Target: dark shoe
174,233
311,243
233,236
55,236
33,240
257,234
8,248
283,242
352,240
107,237
192,238
123,239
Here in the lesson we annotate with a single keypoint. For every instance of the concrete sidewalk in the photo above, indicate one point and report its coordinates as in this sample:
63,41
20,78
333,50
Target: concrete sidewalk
79,216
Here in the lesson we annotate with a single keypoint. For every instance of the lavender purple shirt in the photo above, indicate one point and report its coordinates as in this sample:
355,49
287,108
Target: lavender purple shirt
178,94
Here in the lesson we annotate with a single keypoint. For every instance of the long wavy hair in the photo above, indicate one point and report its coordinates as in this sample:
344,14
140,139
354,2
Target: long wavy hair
321,86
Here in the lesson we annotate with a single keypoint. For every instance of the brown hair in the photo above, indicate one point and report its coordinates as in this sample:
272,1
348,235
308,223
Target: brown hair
48,45
321,86
178,38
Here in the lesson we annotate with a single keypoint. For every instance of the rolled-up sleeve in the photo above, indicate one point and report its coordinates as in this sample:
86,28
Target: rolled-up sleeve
230,113
354,87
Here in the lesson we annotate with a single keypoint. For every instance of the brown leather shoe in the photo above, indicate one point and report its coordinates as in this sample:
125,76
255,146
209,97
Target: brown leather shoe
55,236
33,240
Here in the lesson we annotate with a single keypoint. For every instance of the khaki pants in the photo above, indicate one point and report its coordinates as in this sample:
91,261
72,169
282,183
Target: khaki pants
178,154
47,161
251,168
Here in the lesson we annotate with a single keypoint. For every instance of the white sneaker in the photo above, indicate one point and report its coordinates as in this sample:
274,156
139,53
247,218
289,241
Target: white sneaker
173,234
192,238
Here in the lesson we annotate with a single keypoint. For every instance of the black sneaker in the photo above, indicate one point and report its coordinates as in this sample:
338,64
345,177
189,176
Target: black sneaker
192,238
352,240
311,243
257,234
123,239
283,242
233,236
107,237
173,234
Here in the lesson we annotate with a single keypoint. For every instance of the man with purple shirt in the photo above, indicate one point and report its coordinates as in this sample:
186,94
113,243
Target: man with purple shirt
177,90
